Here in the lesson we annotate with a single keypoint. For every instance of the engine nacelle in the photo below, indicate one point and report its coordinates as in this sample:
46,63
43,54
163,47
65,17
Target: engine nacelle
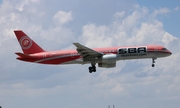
108,61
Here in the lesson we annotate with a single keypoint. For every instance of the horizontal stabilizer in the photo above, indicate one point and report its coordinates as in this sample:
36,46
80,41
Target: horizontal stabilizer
23,55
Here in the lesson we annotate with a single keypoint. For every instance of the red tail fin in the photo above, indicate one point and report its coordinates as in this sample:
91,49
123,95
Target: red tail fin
27,44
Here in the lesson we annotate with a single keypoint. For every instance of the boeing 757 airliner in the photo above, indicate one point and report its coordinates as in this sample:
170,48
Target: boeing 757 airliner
104,57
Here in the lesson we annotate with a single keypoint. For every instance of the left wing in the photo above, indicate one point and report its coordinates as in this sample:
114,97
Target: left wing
87,52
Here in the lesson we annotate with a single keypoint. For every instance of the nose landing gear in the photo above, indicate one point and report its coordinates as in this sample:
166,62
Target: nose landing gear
153,61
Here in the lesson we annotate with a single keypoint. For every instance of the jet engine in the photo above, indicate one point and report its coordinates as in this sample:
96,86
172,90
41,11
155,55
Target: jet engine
108,61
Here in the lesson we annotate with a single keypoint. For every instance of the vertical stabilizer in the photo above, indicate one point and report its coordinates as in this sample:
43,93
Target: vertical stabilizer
27,44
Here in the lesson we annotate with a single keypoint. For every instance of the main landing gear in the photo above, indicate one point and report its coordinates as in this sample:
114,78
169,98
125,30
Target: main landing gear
153,61
92,69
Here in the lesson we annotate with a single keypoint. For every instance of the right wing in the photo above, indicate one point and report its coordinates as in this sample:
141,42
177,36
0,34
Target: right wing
86,52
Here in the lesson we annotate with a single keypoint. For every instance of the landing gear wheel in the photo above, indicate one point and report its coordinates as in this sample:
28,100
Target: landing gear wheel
153,65
92,69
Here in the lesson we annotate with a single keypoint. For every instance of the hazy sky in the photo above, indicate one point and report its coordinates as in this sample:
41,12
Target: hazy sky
56,24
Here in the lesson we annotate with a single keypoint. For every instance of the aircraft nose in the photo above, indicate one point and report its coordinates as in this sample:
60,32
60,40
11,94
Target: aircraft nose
169,52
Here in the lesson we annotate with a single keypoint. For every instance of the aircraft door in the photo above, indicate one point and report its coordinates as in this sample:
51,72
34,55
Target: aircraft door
44,56
156,51
72,55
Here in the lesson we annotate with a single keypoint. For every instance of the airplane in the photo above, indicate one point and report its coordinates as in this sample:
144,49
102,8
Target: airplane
104,57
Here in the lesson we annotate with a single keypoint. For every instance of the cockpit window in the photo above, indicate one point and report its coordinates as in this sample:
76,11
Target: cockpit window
164,49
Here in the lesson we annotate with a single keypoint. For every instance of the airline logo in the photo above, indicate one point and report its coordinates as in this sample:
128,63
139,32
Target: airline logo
137,51
25,42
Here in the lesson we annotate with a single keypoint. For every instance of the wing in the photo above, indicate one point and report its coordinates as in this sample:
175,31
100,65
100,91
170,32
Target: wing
86,52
